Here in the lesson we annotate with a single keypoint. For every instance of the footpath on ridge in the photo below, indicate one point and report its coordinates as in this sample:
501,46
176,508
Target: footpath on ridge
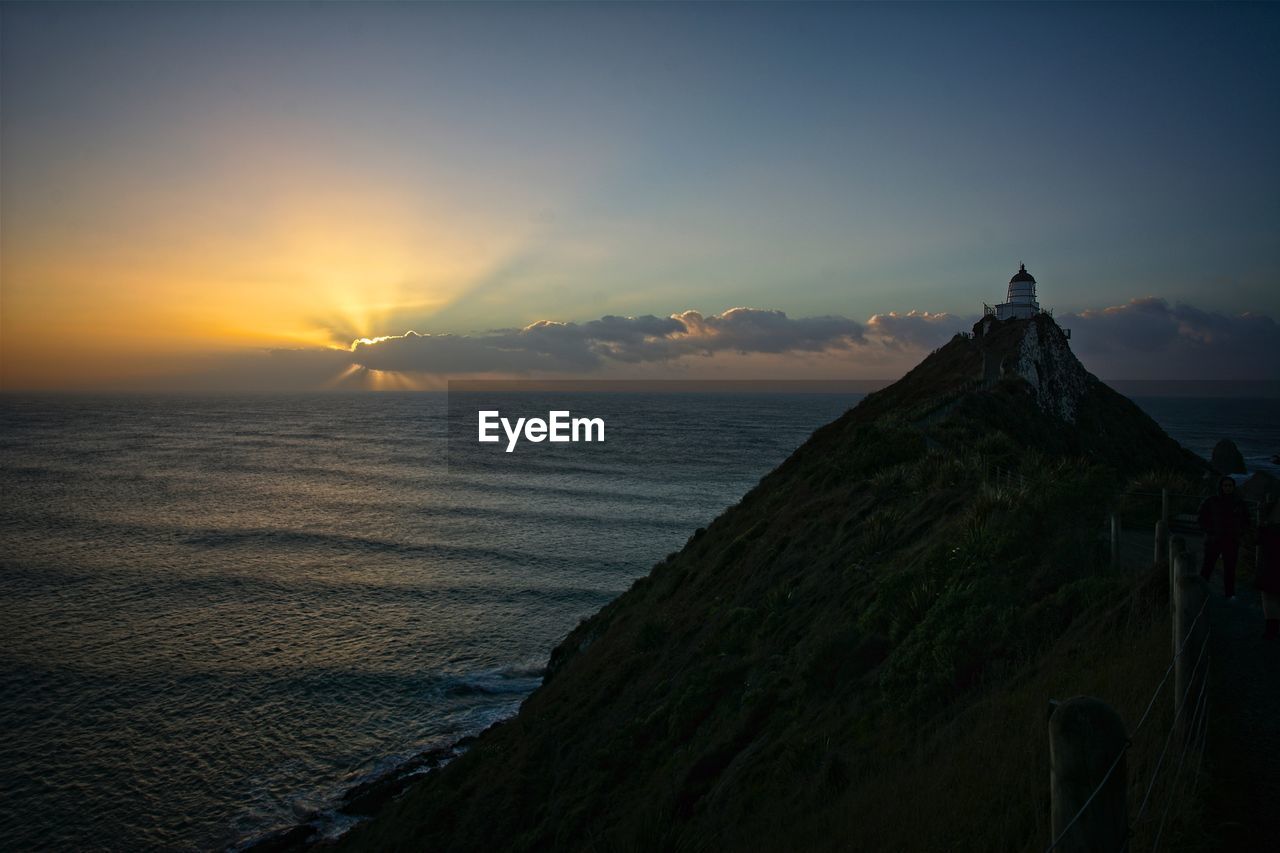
1242,801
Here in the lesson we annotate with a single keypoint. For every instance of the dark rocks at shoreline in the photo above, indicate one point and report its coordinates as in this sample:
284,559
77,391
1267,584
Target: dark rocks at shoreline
365,799
359,801
291,840
1227,459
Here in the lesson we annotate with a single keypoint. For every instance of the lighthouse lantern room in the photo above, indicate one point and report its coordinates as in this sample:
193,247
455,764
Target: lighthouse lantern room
1020,303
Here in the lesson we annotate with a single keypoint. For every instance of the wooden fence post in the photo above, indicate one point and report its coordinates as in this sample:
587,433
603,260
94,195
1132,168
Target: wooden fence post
1086,739
1192,592
1164,507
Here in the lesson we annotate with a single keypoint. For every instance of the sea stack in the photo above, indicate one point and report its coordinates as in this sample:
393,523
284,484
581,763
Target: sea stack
1226,458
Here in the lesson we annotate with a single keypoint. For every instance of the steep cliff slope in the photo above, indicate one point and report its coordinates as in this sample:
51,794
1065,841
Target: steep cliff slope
923,548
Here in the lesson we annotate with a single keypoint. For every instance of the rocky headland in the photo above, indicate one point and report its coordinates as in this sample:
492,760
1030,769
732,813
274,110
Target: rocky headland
854,654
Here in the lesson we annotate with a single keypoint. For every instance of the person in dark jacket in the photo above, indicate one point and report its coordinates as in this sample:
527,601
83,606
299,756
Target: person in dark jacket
1224,518
1268,580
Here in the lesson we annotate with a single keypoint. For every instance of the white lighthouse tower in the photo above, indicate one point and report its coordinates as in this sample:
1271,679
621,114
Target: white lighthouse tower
1020,303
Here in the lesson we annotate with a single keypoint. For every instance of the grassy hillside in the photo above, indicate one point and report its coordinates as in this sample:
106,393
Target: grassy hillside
849,654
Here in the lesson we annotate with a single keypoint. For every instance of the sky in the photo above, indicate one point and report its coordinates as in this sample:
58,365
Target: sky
295,196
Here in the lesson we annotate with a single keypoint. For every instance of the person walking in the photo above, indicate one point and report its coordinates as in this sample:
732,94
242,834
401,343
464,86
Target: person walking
1268,579
1224,518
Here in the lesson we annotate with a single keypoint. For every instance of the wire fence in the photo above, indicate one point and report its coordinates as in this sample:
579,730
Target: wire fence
1170,755
1192,743
1179,509
1129,523
1193,738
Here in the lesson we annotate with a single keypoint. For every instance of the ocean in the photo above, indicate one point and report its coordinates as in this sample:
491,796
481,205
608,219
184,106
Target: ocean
219,613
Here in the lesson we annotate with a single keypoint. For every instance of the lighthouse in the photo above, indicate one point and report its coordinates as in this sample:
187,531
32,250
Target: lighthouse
1020,302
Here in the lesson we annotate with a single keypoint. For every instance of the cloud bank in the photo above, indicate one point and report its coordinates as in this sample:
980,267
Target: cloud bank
551,345
1148,338
1144,338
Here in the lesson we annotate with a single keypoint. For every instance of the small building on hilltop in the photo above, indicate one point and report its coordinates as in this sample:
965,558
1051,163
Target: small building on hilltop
1020,302
1019,338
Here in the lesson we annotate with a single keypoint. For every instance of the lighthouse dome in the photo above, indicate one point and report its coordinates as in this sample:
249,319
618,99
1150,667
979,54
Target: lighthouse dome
1022,287
1022,275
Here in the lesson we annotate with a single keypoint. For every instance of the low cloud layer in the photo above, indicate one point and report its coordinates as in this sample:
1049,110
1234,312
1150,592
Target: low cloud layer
1144,338
550,345
920,330
1148,338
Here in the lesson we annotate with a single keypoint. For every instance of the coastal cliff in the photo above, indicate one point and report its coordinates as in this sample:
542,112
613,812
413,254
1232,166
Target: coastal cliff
785,669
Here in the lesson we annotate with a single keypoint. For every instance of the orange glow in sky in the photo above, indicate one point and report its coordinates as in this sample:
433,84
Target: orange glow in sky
100,292
185,184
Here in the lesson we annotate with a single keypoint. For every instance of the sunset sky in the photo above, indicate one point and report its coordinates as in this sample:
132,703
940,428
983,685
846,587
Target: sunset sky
225,196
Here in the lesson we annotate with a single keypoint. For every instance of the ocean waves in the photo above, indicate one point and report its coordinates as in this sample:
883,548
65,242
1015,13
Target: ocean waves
219,615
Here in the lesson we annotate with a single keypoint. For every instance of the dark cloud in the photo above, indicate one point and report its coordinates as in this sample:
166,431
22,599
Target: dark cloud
1143,339
413,352
1148,338
915,329
586,344
748,330
551,345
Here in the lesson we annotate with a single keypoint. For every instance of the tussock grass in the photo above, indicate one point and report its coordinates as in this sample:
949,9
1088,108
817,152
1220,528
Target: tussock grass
857,655
979,779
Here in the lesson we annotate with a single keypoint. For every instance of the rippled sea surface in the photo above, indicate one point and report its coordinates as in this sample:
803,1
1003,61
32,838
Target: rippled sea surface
1198,424
216,614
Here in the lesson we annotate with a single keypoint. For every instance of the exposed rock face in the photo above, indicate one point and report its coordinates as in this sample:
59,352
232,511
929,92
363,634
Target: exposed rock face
1227,459
1035,350
1045,360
